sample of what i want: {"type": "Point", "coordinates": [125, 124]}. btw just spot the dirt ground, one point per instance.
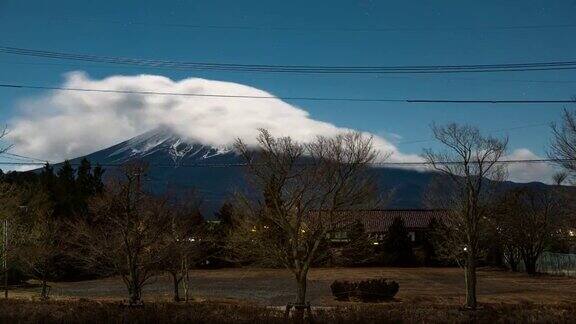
{"type": "Point", "coordinates": [275, 287]}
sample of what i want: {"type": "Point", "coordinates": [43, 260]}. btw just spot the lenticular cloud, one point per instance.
{"type": "Point", "coordinates": [67, 124]}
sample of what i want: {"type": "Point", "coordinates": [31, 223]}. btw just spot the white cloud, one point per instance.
{"type": "Point", "coordinates": [528, 172]}
{"type": "Point", "coordinates": [25, 167]}
{"type": "Point", "coordinates": [68, 124]}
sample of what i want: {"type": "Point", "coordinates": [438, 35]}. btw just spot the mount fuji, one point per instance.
{"type": "Point", "coordinates": [170, 158]}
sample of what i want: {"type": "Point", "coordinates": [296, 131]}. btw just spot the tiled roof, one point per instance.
{"type": "Point", "coordinates": [376, 221]}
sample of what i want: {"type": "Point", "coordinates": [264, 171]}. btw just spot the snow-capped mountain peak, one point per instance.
{"type": "Point", "coordinates": [163, 143]}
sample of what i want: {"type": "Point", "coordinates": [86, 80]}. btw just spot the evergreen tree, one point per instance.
{"type": "Point", "coordinates": [397, 246]}
{"type": "Point", "coordinates": [83, 186]}
{"type": "Point", "coordinates": [97, 183]}
{"type": "Point", "coordinates": [360, 249]}
{"type": "Point", "coordinates": [84, 177]}
{"type": "Point", "coordinates": [47, 177]}
{"type": "Point", "coordinates": [66, 174]}
{"type": "Point", "coordinates": [225, 214]}
{"type": "Point", "coordinates": [66, 194]}
{"type": "Point", "coordinates": [430, 256]}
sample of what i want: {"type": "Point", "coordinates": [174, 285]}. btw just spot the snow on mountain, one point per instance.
{"type": "Point", "coordinates": [176, 163]}
{"type": "Point", "coordinates": [162, 141]}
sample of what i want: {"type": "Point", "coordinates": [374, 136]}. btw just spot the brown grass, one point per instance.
{"type": "Point", "coordinates": [276, 287]}
{"type": "Point", "coordinates": [83, 311]}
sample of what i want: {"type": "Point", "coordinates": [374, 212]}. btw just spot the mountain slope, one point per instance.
{"type": "Point", "coordinates": [170, 158]}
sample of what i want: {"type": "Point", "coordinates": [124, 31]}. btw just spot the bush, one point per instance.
{"type": "Point", "coordinates": [342, 290]}
{"type": "Point", "coordinates": [373, 290]}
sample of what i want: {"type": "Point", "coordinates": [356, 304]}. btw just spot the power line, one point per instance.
{"type": "Point", "coordinates": [192, 94]}
{"type": "Point", "coordinates": [230, 165]}
{"type": "Point", "coordinates": [308, 69]}
{"type": "Point", "coordinates": [29, 158]}
{"type": "Point", "coordinates": [320, 29]}
{"type": "Point", "coordinates": [488, 101]}
{"type": "Point", "coordinates": [491, 131]}
{"type": "Point", "coordinates": [411, 101]}
{"type": "Point", "coordinates": [35, 160]}
{"type": "Point", "coordinates": [81, 66]}
{"type": "Point", "coordinates": [23, 157]}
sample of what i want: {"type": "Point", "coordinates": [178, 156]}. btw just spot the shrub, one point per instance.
{"type": "Point", "coordinates": [373, 290]}
{"type": "Point", "coordinates": [342, 290]}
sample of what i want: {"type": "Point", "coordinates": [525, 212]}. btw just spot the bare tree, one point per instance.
{"type": "Point", "coordinates": [10, 197]}
{"type": "Point", "coordinates": [302, 188]}
{"type": "Point", "coordinates": [8, 201]}
{"type": "Point", "coordinates": [469, 162]}
{"type": "Point", "coordinates": [126, 234]}
{"type": "Point", "coordinates": [502, 224]}
{"type": "Point", "coordinates": [184, 241]}
{"type": "Point", "coordinates": [563, 146]}
{"type": "Point", "coordinates": [530, 218]}
{"type": "Point", "coordinates": [38, 242]}
{"type": "Point", "coordinates": [3, 134]}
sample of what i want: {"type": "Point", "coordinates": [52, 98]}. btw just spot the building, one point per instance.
{"type": "Point", "coordinates": [377, 222]}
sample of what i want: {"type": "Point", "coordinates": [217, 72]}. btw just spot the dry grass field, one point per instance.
{"type": "Point", "coordinates": [275, 287]}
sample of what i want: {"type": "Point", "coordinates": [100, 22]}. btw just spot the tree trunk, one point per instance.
{"type": "Point", "coordinates": [176, 282]}
{"type": "Point", "coordinates": [134, 288]}
{"type": "Point", "coordinates": [186, 280]}
{"type": "Point", "coordinates": [530, 264]}
{"type": "Point", "coordinates": [301, 297]}
{"type": "Point", "coordinates": [470, 279]}
{"type": "Point", "coordinates": [44, 292]}
{"type": "Point", "coordinates": [135, 293]}
{"type": "Point", "coordinates": [299, 306]}
{"type": "Point", "coordinates": [513, 263]}
{"type": "Point", "coordinates": [512, 260]}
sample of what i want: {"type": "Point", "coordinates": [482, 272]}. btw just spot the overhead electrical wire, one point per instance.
{"type": "Point", "coordinates": [307, 69]}
{"type": "Point", "coordinates": [408, 100]}
{"type": "Point", "coordinates": [35, 160]}
{"type": "Point", "coordinates": [309, 29]}
{"type": "Point", "coordinates": [16, 159]}
{"type": "Point", "coordinates": [297, 69]}
{"type": "Point", "coordinates": [492, 131]}
{"type": "Point", "coordinates": [450, 78]}
{"type": "Point", "coordinates": [229, 165]}
{"type": "Point", "coordinates": [23, 157]}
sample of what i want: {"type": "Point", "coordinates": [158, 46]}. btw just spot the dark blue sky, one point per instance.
{"type": "Point", "coordinates": [320, 33]}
